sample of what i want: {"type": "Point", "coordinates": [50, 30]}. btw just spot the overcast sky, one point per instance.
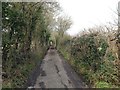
{"type": "Point", "coordinates": [88, 13]}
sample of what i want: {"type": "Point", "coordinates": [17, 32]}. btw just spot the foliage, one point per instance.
{"type": "Point", "coordinates": [26, 30]}
{"type": "Point", "coordinates": [90, 55]}
{"type": "Point", "coordinates": [102, 85]}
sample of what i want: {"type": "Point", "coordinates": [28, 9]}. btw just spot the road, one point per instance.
{"type": "Point", "coordinates": [57, 73]}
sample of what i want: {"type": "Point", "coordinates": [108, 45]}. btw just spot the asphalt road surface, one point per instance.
{"type": "Point", "coordinates": [57, 73]}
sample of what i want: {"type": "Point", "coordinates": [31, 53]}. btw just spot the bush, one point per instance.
{"type": "Point", "coordinates": [102, 84]}
{"type": "Point", "coordinates": [88, 57]}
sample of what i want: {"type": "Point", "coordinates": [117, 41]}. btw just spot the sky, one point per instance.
{"type": "Point", "coordinates": [89, 13]}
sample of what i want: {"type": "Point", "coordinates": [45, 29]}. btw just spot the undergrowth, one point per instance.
{"type": "Point", "coordinates": [90, 57]}
{"type": "Point", "coordinates": [20, 74]}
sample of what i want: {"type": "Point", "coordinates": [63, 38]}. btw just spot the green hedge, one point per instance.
{"type": "Point", "coordinates": [87, 55]}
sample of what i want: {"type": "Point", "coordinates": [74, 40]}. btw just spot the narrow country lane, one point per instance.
{"type": "Point", "coordinates": [56, 73]}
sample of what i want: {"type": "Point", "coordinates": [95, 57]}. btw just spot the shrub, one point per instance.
{"type": "Point", "coordinates": [102, 84]}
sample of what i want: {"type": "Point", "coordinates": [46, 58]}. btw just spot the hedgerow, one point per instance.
{"type": "Point", "coordinates": [91, 56]}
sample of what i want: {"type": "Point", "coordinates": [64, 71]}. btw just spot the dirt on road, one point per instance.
{"type": "Point", "coordinates": [57, 73]}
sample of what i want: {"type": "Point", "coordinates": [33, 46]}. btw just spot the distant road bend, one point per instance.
{"type": "Point", "coordinates": [56, 73]}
